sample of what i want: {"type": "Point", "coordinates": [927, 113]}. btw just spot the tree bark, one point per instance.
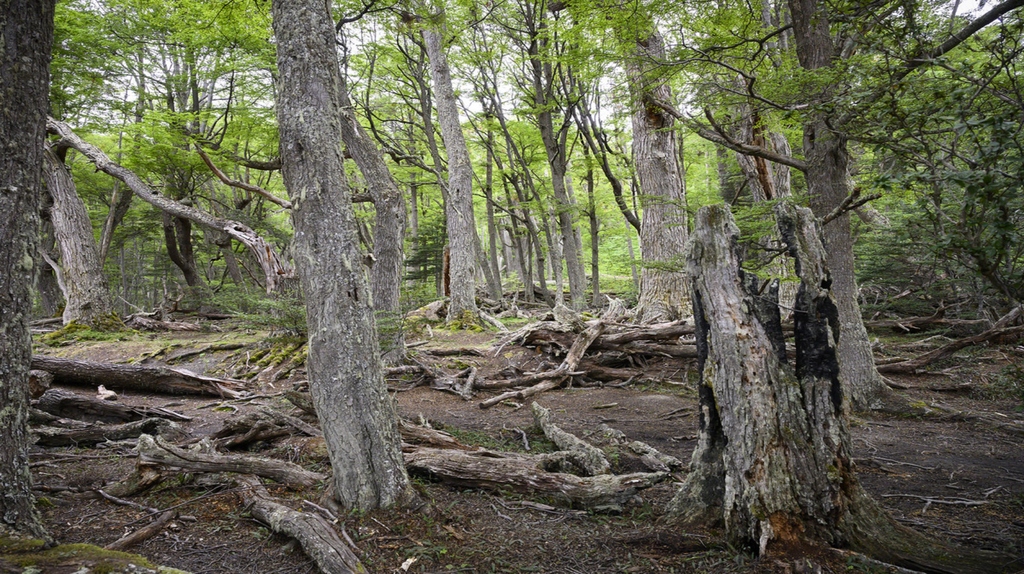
{"type": "Point", "coordinates": [664, 294]}
{"type": "Point", "coordinates": [346, 380]}
{"type": "Point", "coordinates": [88, 297]}
{"type": "Point", "coordinates": [828, 181]}
{"type": "Point", "coordinates": [26, 35]}
{"type": "Point", "coordinates": [147, 378]}
{"type": "Point", "coordinates": [773, 464]}
{"type": "Point", "coordinates": [459, 205]}
{"type": "Point", "coordinates": [389, 232]}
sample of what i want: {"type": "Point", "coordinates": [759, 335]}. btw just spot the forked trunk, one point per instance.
{"type": "Point", "coordinates": [773, 463]}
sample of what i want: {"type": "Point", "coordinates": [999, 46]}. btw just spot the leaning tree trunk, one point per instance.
{"type": "Point", "coordinates": [346, 380]}
{"type": "Point", "coordinates": [773, 463]}
{"type": "Point", "coordinates": [85, 287]}
{"type": "Point", "coordinates": [663, 290]}
{"type": "Point", "coordinates": [26, 35]}
{"type": "Point", "coordinates": [389, 231]}
{"type": "Point", "coordinates": [459, 207]}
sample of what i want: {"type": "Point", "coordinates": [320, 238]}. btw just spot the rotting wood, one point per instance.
{"type": "Point", "coordinates": [38, 382]}
{"type": "Point", "coordinates": [140, 322]}
{"type": "Point", "coordinates": [590, 459]}
{"type": "Point", "coordinates": [49, 436]}
{"type": "Point", "coordinates": [317, 536]}
{"type": "Point", "coordinates": [66, 404]}
{"type": "Point", "coordinates": [572, 359]}
{"type": "Point", "coordinates": [524, 473]}
{"type": "Point", "coordinates": [157, 451]}
{"type": "Point", "coordinates": [415, 435]}
{"type": "Point", "coordinates": [147, 378]}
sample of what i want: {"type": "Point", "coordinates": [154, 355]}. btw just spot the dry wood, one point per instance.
{"type": "Point", "coordinates": [66, 404]}
{"type": "Point", "coordinates": [523, 473]}
{"type": "Point", "coordinates": [144, 533]}
{"type": "Point", "coordinates": [302, 400]}
{"type": "Point", "coordinates": [317, 536]}
{"type": "Point", "coordinates": [586, 456]}
{"type": "Point", "coordinates": [145, 476]}
{"type": "Point", "coordinates": [423, 436]}
{"type": "Point", "coordinates": [655, 459]}
{"type": "Point", "coordinates": [147, 378]}
{"type": "Point", "coordinates": [158, 451]}
{"type": "Point", "coordinates": [38, 382]}
{"type": "Point", "coordinates": [453, 352]}
{"type": "Point", "coordinates": [142, 323]}
{"type": "Point", "coordinates": [558, 376]}
{"type": "Point", "coordinates": [915, 365]}
{"type": "Point", "coordinates": [49, 436]}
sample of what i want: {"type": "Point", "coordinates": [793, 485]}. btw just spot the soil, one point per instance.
{"type": "Point", "coordinates": [957, 474]}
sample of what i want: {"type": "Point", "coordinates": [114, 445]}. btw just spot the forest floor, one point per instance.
{"type": "Point", "coordinates": [956, 474]}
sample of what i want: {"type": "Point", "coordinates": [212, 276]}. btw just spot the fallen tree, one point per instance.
{"type": "Point", "coordinates": [65, 404]}
{"type": "Point", "coordinates": [274, 268]}
{"type": "Point", "coordinates": [146, 378]}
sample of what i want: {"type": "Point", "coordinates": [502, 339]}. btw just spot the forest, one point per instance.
{"type": "Point", "coordinates": [512, 286]}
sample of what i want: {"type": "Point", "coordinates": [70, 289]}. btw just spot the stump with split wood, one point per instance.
{"type": "Point", "coordinates": [773, 464]}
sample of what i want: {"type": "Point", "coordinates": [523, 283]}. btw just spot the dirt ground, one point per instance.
{"type": "Point", "coordinates": [956, 475]}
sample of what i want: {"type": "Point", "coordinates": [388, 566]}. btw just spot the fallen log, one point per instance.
{"type": "Point", "coordinates": [144, 533]}
{"type": "Point", "coordinates": [523, 473]}
{"type": "Point", "coordinates": [142, 323]}
{"type": "Point", "coordinates": [559, 375]}
{"type": "Point", "coordinates": [423, 436]}
{"type": "Point", "coordinates": [146, 378]}
{"type": "Point", "coordinates": [915, 365]}
{"type": "Point", "coordinates": [317, 536]}
{"type": "Point", "coordinates": [157, 451]}
{"type": "Point", "coordinates": [590, 459]}
{"type": "Point", "coordinates": [66, 404]}
{"type": "Point", "coordinates": [51, 436]}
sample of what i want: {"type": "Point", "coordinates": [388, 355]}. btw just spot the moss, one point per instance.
{"type": "Point", "coordinates": [105, 328]}
{"type": "Point", "coordinates": [32, 554]}
{"type": "Point", "coordinates": [466, 321]}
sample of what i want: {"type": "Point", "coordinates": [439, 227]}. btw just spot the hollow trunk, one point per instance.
{"type": "Point", "coordinates": [26, 35]}
{"type": "Point", "coordinates": [664, 294]}
{"type": "Point", "coordinates": [773, 464]}
{"type": "Point", "coordinates": [459, 206]}
{"type": "Point", "coordinates": [88, 297]}
{"type": "Point", "coordinates": [345, 376]}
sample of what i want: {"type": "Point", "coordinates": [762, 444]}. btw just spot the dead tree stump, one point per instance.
{"type": "Point", "coordinates": [773, 464]}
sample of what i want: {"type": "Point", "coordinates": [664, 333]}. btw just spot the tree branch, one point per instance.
{"type": "Point", "coordinates": [240, 184]}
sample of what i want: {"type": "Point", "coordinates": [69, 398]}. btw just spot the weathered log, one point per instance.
{"type": "Point", "coordinates": [453, 352]}
{"type": "Point", "coordinates": [318, 538]}
{"type": "Point", "coordinates": [590, 459]}
{"type": "Point", "coordinates": [423, 436]}
{"type": "Point", "coordinates": [915, 365]}
{"type": "Point", "coordinates": [66, 404]}
{"type": "Point", "coordinates": [522, 473]}
{"type": "Point", "coordinates": [38, 382]}
{"type": "Point", "coordinates": [142, 323]}
{"type": "Point", "coordinates": [302, 400]}
{"type": "Point", "coordinates": [50, 436]}
{"type": "Point", "coordinates": [158, 451]}
{"type": "Point", "coordinates": [144, 533]}
{"type": "Point", "coordinates": [655, 459]}
{"type": "Point", "coordinates": [147, 378]}
{"type": "Point", "coordinates": [262, 425]}
{"type": "Point", "coordinates": [569, 364]}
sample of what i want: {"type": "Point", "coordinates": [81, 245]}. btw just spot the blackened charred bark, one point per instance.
{"type": "Point", "coordinates": [345, 374]}
{"type": "Point", "coordinates": [26, 35]}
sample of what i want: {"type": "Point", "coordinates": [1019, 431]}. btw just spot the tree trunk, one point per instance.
{"type": "Point", "coordinates": [773, 464]}
{"type": "Point", "coordinates": [88, 297]}
{"type": "Point", "coordinates": [459, 206]}
{"type": "Point", "coordinates": [664, 294]}
{"type": "Point", "coordinates": [828, 184]}
{"type": "Point", "coordinates": [26, 35]}
{"type": "Point", "coordinates": [358, 418]}
{"type": "Point", "coordinates": [388, 244]}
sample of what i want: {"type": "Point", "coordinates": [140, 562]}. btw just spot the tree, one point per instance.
{"type": "Point", "coordinates": [346, 379]}
{"type": "Point", "coordinates": [774, 462]}
{"type": "Point", "coordinates": [26, 37]}
{"type": "Point", "coordinates": [459, 213]}
{"type": "Point", "coordinates": [87, 299]}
